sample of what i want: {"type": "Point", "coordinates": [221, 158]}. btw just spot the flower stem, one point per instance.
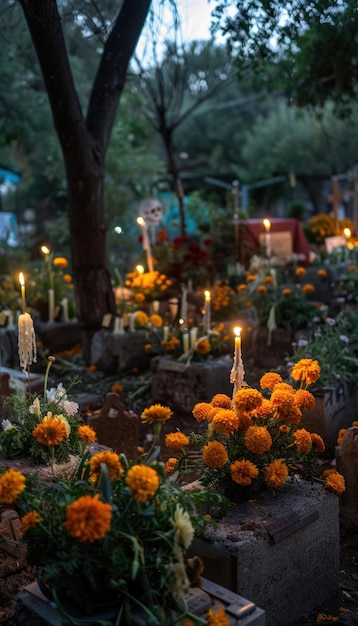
{"type": "Point", "coordinates": [51, 359]}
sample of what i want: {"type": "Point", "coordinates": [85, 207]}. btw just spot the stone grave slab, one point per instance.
{"type": "Point", "coordinates": [12, 552]}
{"type": "Point", "coordinates": [116, 427]}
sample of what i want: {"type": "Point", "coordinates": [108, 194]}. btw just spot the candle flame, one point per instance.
{"type": "Point", "coordinates": [237, 331]}
{"type": "Point", "coordinates": [140, 221]}
{"type": "Point", "coordinates": [207, 295]}
{"type": "Point", "coordinates": [347, 232]}
{"type": "Point", "coordinates": [267, 223]}
{"type": "Point", "coordinates": [140, 269]}
{"type": "Point", "coordinates": [45, 250]}
{"type": "Point", "coordinates": [21, 279]}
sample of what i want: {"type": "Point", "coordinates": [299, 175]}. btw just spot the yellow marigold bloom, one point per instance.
{"type": "Point", "coordinates": [275, 474]}
{"type": "Point", "coordinates": [117, 388]}
{"type": "Point", "coordinates": [308, 288]}
{"type": "Point", "coordinates": [86, 434]}
{"type": "Point", "coordinates": [143, 482]}
{"type": "Point", "coordinates": [67, 278]}
{"type": "Point", "coordinates": [170, 465]}
{"type": "Point", "coordinates": [250, 278]}
{"type": "Point", "coordinates": [247, 399]}
{"type": "Point", "coordinates": [322, 273]}
{"type": "Point", "coordinates": [225, 421]}
{"type": "Point", "coordinates": [303, 440]}
{"type": "Point", "coordinates": [60, 262]}
{"type": "Point", "coordinates": [30, 520]}
{"type": "Point", "coordinates": [203, 346]}
{"type": "Point", "coordinates": [219, 618]}
{"type": "Point", "coordinates": [355, 423]}
{"type": "Point", "coordinates": [215, 454]}
{"type": "Point", "coordinates": [50, 432]}
{"type": "Point", "coordinates": [286, 292]}
{"type": "Point", "coordinates": [88, 519]}
{"type": "Point", "coordinates": [317, 442]}
{"type": "Point", "coordinates": [203, 411]}
{"type": "Point", "coordinates": [335, 483]}
{"type": "Point", "coordinates": [269, 380]}
{"type": "Point", "coordinates": [307, 371]}
{"type": "Point", "coordinates": [184, 531]}
{"type": "Point", "coordinates": [141, 318]}
{"type": "Point", "coordinates": [221, 400]}
{"type": "Point", "coordinates": [261, 289]}
{"type": "Point", "coordinates": [12, 484]}
{"type": "Point", "coordinates": [111, 459]}
{"type": "Point", "coordinates": [176, 441]}
{"type": "Point", "coordinates": [243, 472]}
{"type": "Point", "coordinates": [258, 439]}
{"type": "Point", "coordinates": [305, 400]}
{"type": "Point", "coordinates": [156, 320]}
{"type": "Point", "coordinates": [264, 411]}
{"type": "Point", "coordinates": [268, 280]}
{"type": "Point", "coordinates": [241, 287]}
{"type": "Point", "coordinates": [300, 271]}
{"type": "Point", "coordinates": [156, 413]}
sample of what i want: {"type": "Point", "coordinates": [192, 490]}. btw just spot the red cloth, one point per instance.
{"type": "Point", "coordinates": [250, 231]}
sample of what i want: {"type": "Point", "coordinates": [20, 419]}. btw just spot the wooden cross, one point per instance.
{"type": "Point", "coordinates": [334, 199]}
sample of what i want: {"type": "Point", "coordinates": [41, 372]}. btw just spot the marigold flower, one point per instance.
{"type": "Point", "coordinates": [225, 421]}
{"type": "Point", "coordinates": [258, 439]}
{"type": "Point", "coordinates": [12, 484]}
{"type": "Point", "coordinates": [250, 278]}
{"type": "Point", "coordinates": [215, 454]}
{"type": "Point", "coordinates": [203, 346]}
{"type": "Point", "coordinates": [261, 289]}
{"type": "Point", "coordinates": [247, 399]}
{"type": "Point", "coordinates": [156, 413]}
{"type": "Point", "coordinates": [335, 483]}
{"type": "Point", "coordinates": [176, 441]}
{"type": "Point", "coordinates": [117, 388]}
{"type": "Point", "coordinates": [241, 287]}
{"type": "Point", "coordinates": [92, 368]}
{"type": "Point", "coordinates": [340, 436]}
{"type": "Point", "coordinates": [203, 411]}
{"type": "Point", "coordinates": [148, 347]}
{"type": "Point", "coordinates": [184, 531]}
{"type": "Point", "coordinates": [284, 387]}
{"type": "Point", "coordinates": [139, 299]}
{"type": "Point", "coordinates": [264, 411]}
{"type": "Point", "coordinates": [308, 288]}
{"type": "Point", "coordinates": [60, 262]}
{"type": "Point", "coordinates": [322, 273]}
{"type": "Point", "coordinates": [111, 459]}
{"type": "Point", "coordinates": [219, 618]}
{"type": "Point", "coordinates": [303, 440]}
{"type": "Point", "coordinates": [86, 434]}
{"type": "Point", "coordinates": [317, 442]}
{"type": "Point", "coordinates": [221, 400]}
{"type": "Point", "coordinates": [67, 278]}
{"type": "Point", "coordinates": [269, 380]}
{"type": "Point", "coordinates": [300, 271]}
{"type": "Point", "coordinates": [305, 400]}
{"type": "Point", "coordinates": [30, 520]}
{"type": "Point", "coordinates": [170, 465]}
{"type": "Point", "coordinates": [307, 371]}
{"type": "Point", "coordinates": [143, 482]}
{"type": "Point", "coordinates": [50, 432]}
{"type": "Point", "coordinates": [352, 268]}
{"type": "Point", "coordinates": [275, 474]}
{"type": "Point", "coordinates": [141, 318]}
{"type": "Point", "coordinates": [286, 292]}
{"type": "Point", "coordinates": [243, 472]}
{"type": "Point", "coordinates": [268, 279]}
{"type": "Point", "coordinates": [88, 519]}
{"type": "Point", "coordinates": [156, 320]}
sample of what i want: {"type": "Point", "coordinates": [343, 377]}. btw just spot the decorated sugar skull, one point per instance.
{"type": "Point", "coordinates": [151, 212]}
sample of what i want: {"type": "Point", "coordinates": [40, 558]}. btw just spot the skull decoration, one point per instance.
{"type": "Point", "coordinates": [151, 212]}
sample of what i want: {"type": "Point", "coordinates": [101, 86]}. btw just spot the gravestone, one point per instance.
{"type": "Point", "coordinates": [12, 553]}
{"type": "Point", "coordinates": [116, 427]}
{"type": "Point", "coordinates": [347, 464]}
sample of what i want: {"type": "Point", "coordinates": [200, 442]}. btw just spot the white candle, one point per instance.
{"type": "Point", "coordinates": [26, 341]}
{"type": "Point", "coordinates": [237, 372]}
{"type": "Point", "coordinates": [165, 332]}
{"type": "Point", "coordinates": [22, 285]}
{"type": "Point", "coordinates": [184, 306]}
{"type": "Point", "coordinates": [131, 322]}
{"type": "Point", "coordinates": [267, 225]}
{"type": "Point", "coordinates": [193, 334]}
{"type": "Point", "coordinates": [146, 243]}
{"type": "Point", "coordinates": [185, 342]}
{"type": "Point", "coordinates": [207, 321]}
{"type": "Point", "coordinates": [51, 305]}
{"type": "Point", "coordinates": [64, 303]}
{"type": "Point", "coordinates": [118, 326]}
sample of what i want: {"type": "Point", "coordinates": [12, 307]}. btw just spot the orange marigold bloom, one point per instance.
{"type": "Point", "coordinates": [246, 419]}
{"type": "Point", "coordinates": [12, 484]}
{"type": "Point", "coordinates": [300, 271]}
{"type": "Point", "coordinates": [264, 411]}
{"type": "Point", "coordinates": [307, 371]}
{"type": "Point", "coordinates": [219, 618]}
{"type": "Point", "coordinates": [170, 465]}
{"type": "Point", "coordinates": [88, 519]}
{"type": "Point", "coordinates": [308, 288]}
{"type": "Point", "coordinates": [289, 413]}
{"type": "Point", "coordinates": [215, 454]}
{"type": "Point", "coordinates": [250, 278]}
{"type": "Point", "coordinates": [203, 411]}
{"type": "Point", "coordinates": [67, 278]}
{"type": "Point", "coordinates": [335, 483]}
{"type": "Point", "coordinates": [268, 279]}
{"type": "Point", "coordinates": [281, 397]}
{"type": "Point", "coordinates": [156, 320]}
{"type": "Point", "coordinates": [269, 380]}
{"type": "Point", "coordinates": [30, 520]}
{"type": "Point", "coordinates": [241, 287]}
{"type": "Point", "coordinates": [203, 346]}
{"type": "Point", "coordinates": [50, 432]}
{"type": "Point", "coordinates": [352, 268]}
{"type": "Point", "coordinates": [303, 440]}
{"type": "Point", "coordinates": [243, 472]}
{"type": "Point", "coordinates": [317, 442]}
{"type": "Point", "coordinates": [247, 399]}
{"type": "Point", "coordinates": [283, 429]}
{"type": "Point", "coordinates": [305, 400]}
{"type": "Point", "coordinates": [221, 400]}
{"type": "Point", "coordinates": [141, 318]}
{"type": "Point", "coordinates": [139, 298]}
{"type": "Point", "coordinates": [225, 421]}
{"type": "Point", "coordinates": [261, 289]}
{"type": "Point", "coordinates": [111, 459]}
{"type": "Point", "coordinates": [92, 368]}
{"type": "Point", "coordinates": [286, 292]}
{"type": "Point", "coordinates": [258, 439]}
{"type": "Point", "coordinates": [322, 273]}
{"type": "Point", "coordinates": [176, 441]}
{"type": "Point", "coordinates": [147, 347]}
{"type": "Point", "coordinates": [284, 387]}
{"type": "Point", "coordinates": [86, 434]}
{"type": "Point", "coordinates": [60, 262]}
{"type": "Point", "coordinates": [275, 474]}
{"type": "Point", "coordinates": [156, 413]}
{"type": "Point", "coordinates": [117, 388]}
{"type": "Point", "coordinates": [143, 482]}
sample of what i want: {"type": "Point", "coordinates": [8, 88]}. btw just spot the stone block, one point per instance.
{"type": "Point", "coordinates": [181, 385]}
{"type": "Point", "coordinates": [119, 352]}
{"type": "Point", "coordinates": [281, 551]}
{"type": "Point", "coordinates": [116, 427]}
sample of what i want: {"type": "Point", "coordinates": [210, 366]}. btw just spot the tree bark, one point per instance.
{"type": "Point", "coordinates": [84, 143]}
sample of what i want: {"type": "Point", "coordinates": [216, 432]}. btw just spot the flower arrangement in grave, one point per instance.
{"type": "Point", "coordinates": [254, 441]}
{"type": "Point", "coordinates": [148, 286]}
{"type": "Point", "coordinates": [346, 283]}
{"type": "Point", "coordinates": [43, 428]}
{"type": "Point", "coordinates": [53, 274]}
{"type": "Point", "coordinates": [227, 302]}
{"type": "Point", "coordinates": [322, 225]}
{"type": "Point", "coordinates": [333, 343]}
{"type": "Point", "coordinates": [189, 348]}
{"type": "Point", "coordinates": [343, 431]}
{"type": "Point", "coordinates": [116, 531]}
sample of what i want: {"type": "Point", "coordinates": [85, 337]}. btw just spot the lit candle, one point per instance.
{"type": "Point", "coordinates": [185, 342]}
{"type": "Point", "coordinates": [267, 225]}
{"type": "Point", "coordinates": [26, 342]}
{"type": "Point", "coordinates": [46, 252]}
{"type": "Point", "coordinates": [146, 243]}
{"type": "Point", "coordinates": [184, 306]}
{"type": "Point", "coordinates": [207, 322]}
{"type": "Point", "coordinates": [237, 372]}
{"type": "Point", "coordinates": [22, 285]}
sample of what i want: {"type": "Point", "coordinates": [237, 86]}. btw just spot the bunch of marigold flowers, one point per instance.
{"type": "Point", "coordinates": [255, 440]}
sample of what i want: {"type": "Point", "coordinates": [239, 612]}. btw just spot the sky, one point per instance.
{"type": "Point", "coordinates": [196, 19]}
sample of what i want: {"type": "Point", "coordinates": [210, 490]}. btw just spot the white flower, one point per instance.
{"type": "Point", "coordinates": [184, 531]}
{"type": "Point", "coordinates": [59, 396]}
{"type": "Point", "coordinates": [35, 408]}
{"type": "Point", "coordinates": [6, 425]}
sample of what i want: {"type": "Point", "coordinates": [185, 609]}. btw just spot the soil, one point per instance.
{"type": "Point", "coordinates": [341, 609]}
